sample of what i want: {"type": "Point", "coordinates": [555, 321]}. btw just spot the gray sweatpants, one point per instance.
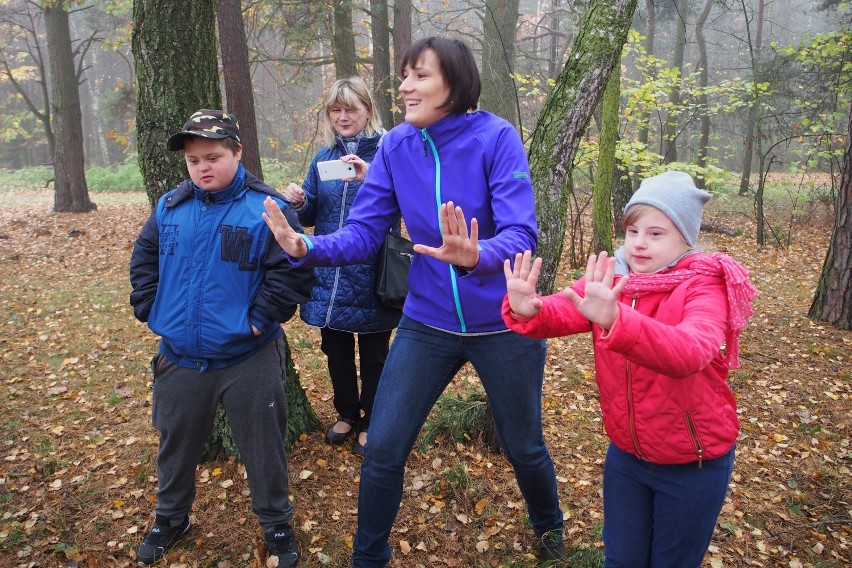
{"type": "Point", "coordinates": [184, 406]}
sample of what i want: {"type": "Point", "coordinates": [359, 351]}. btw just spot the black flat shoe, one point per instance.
{"type": "Point", "coordinates": [337, 438]}
{"type": "Point", "coordinates": [357, 447]}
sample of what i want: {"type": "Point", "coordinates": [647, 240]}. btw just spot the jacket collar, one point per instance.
{"type": "Point", "coordinates": [366, 144]}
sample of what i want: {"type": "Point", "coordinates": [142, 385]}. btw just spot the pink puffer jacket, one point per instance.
{"type": "Point", "coordinates": [660, 370]}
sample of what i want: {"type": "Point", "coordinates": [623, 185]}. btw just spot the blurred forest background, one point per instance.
{"type": "Point", "coordinates": [731, 87]}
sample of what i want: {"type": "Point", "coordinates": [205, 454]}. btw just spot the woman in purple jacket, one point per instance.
{"type": "Point", "coordinates": [446, 161]}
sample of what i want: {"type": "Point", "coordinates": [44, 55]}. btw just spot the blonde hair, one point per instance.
{"type": "Point", "coordinates": [351, 93]}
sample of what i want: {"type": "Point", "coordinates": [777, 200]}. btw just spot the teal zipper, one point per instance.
{"type": "Point", "coordinates": [428, 140]}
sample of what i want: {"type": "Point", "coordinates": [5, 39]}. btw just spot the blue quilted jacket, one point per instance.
{"type": "Point", "coordinates": [343, 297]}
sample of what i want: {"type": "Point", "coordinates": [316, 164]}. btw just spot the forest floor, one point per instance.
{"type": "Point", "coordinates": [77, 463]}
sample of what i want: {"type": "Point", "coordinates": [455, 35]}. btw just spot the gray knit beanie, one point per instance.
{"type": "Point", "coordinates": [675, 194]}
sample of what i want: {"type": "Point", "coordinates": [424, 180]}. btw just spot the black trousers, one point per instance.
{"type": "Point", "coordinates": [339, 348]}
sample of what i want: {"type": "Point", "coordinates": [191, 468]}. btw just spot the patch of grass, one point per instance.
{"type": "Point", "coordinates": [123, 178]}
{"type": "Point", "coordinates": [44, 447]}
{"type": "Point", "coordinates": [114, 399]}
{"type": "Point", "coordinates": [462, 417]}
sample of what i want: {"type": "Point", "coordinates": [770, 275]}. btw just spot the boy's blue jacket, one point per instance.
{"type": "Point", "coordinates": [477, 161]}
{"type": "Point", "coordinates": [205, 267]}
{"type": "Point", "coordinates": [342, 297]}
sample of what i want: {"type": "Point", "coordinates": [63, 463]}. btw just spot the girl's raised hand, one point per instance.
{"type": "Point", "coordinates": [290, 240]}
{"type": "Point", "coordinates": [520, 285]}
{"type": "Point", "coordinates": [600, 305]}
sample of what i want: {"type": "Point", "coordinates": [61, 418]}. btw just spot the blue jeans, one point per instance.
{"type": "Point", "coordinates": [421, 363]}
{"type": "Point", "coordinates": [661, 515]}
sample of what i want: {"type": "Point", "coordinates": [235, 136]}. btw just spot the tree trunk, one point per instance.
{"type": "Point", "coordinates": [833, 299]}
{"type": "Point", "coordinates": [71, 193]}
{"type": "Point", "coordinates": [602, 192]}
{"type": "Point", "coordinates": [650, 32]}
{"type": "Point", "coordinates": [238, 85]}
{"type": "Point", "coordinates": [174, 48]}
{"type": "Point", "coordinates": [670, 133]}
{"type": "Point", "coordinates": [499, 95]}
{"type": "Point", "coordinates": [383, 78]}
{"type": "Point", "coordinates": [754, 109]}
{"type": "Point", "coordinates": [554, 57]}
{"type": "Point", "coordinates": [401, 39]}
{"type": "Point", "coordinates": [301, 418]}
{"type": "Point", "coordinates": [566, 113]}
{"type": "Point", "coordinates": [343, 46]}
{"type": "Point", "coordinates": [704, 128]}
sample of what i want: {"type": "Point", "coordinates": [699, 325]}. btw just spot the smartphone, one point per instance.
{"type": "Point", "coordinates": [335, 169]}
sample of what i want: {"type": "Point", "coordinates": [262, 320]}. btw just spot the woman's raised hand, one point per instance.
{"type": "Point", "coordinates": [600, 304]}
{"type": "Point", "coordinates": [290, 240]}
{"type": "Point", "coordinates": [361, 167]}
{"type": "Point", "coordinates": [520, 285]}
{"type": "Point", "coordinates": [459, 247]}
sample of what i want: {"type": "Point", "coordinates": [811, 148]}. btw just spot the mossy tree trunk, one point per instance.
{"type": "Point", "coordinates": [174, 51]}
{"type": "Point", "coordinates": [566, 113]}
{"type": "Point", "coordinates": [602, 192]}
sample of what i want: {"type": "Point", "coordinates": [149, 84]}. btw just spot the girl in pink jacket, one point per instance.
{"type": "Point", "coordinates": [665, 322]}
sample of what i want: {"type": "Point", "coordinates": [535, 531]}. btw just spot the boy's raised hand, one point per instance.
{"type": "Point", "coordinates": [520, 285]}
{"type": "Point", "coordinates": [290, 240]}
{"type": "Point", "coordinates": [600, 305]}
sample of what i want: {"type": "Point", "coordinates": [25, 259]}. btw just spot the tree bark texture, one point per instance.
{"type": "Point", "coordinates": [239, 94]}
{"type": "Point", "coordinates": [343, 46]}
{"type": "Point", "coordinates": [499, 24]}
{"type": "Point", "coordinates": [704, 127]}
{"type": "Point", "coordinates": [833, 299]}
{"type": "Point", "coordinates": [602, 191]}
{"type": "Point", "coordinates": [301, 417]}
{"type": "Point", "coordinates": [401, 33]}
{"type": "Point", "coordinates": [650, 33]}
{"type": "Point", "coordinates": [670, 133]}
{"type": "Point", "coordinates": [754, 110]}
{"type": "Point", "coordinates": [383, 77]}
{"type": "Point", "coordinates": [71, 194]}
{"type": "Point", "coordinates": [566, 113]}
{"type": "Point", "coordinates": [174, 50]}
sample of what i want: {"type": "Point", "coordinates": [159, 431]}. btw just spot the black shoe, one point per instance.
{"type": "Point", "coordinates": [336, 437]}
{"type": "Point", "coordinates": [281, 543]}
{"type": "Point", "coordinates": [552, 555]}
{"type": "Point", "coordinates": [161, 538]}
{"type": "Point", "coordinates": [357, 446]}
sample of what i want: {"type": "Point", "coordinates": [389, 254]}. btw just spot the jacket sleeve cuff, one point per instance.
{"type": "Point", "coordinates": [260, 318]}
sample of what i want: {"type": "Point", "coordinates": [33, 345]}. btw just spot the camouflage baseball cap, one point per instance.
{"type": "Point", "coordinates": [207, 123]}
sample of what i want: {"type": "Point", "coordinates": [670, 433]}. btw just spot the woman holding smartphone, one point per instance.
{"type": "Point", "coordinates": [342, 302]}
{"type": "Point", "coordinates": [445, 164]}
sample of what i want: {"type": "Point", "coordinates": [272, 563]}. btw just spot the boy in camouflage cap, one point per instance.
{"type": "Point", "coordinates": [207, 281]}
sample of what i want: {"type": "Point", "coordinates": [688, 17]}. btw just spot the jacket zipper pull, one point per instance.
{"type": "Point", "coordinates": [423, 135]}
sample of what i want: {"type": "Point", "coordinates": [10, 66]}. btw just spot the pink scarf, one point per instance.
{"type": "Point", "coordinates": [739, 289]}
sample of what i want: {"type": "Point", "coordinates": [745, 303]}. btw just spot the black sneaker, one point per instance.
{"type": "Point", "coordinates": [161, 538]}
{"type": "Point", "coordinates": [281, 543]}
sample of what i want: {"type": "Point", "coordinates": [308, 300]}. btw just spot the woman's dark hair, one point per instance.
{"type": "Point", "coordinates": [457, 66]}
